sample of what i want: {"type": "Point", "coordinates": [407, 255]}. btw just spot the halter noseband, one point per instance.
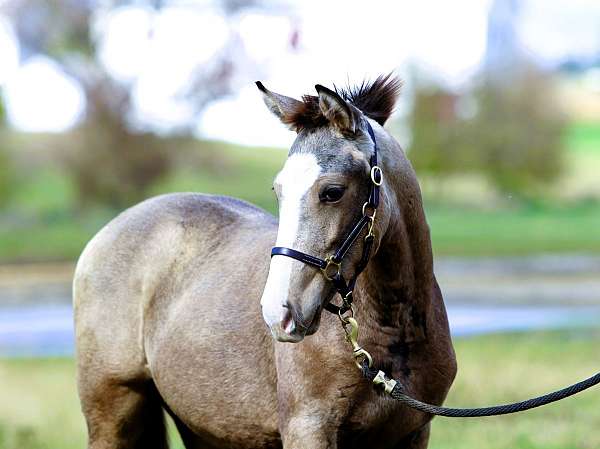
{"type": "Point", "coordinates": [331, 266]}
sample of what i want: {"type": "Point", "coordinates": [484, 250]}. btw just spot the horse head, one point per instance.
{"type": "Point", "coordinates": [322, 191]}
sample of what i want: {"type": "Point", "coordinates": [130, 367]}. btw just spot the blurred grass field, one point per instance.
{"type": "Point", "coordinates": [40, 223]}
{"type": "Point", "coordinates": [44, 411]}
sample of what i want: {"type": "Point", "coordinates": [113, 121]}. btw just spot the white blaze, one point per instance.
{"type": "Point", "coordinates": [295, 179]}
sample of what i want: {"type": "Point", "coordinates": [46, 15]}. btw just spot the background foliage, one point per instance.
{"type": "Point", "coordinates": [509, 131]}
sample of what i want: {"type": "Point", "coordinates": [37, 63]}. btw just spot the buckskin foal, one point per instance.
{"type": "Point", "coordinates": [168, 302]}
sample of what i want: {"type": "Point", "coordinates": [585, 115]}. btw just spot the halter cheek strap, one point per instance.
{"type": "Point", "coordinates": [331, 266]}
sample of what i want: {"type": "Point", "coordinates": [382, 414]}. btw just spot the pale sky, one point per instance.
{"type": "Point", "coordinates": [339, 41]}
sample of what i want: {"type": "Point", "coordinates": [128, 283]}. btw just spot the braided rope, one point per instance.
{"type": "Point", "coordinates": [398, 394]}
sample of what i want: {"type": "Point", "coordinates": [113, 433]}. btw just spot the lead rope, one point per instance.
{"type": "Point", "coordinates": [395, 390]}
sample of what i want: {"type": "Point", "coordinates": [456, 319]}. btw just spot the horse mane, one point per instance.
{"type": "Point", "coordinates": [376, 99]}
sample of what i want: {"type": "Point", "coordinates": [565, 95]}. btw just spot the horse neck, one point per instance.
{"type": "Point", "coordinates": [395, 290]}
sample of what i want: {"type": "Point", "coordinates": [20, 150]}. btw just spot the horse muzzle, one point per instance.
{"type": "Point", "coordinates": [284, 329]}
{"type": "Point", "coordinates": [291, 326]}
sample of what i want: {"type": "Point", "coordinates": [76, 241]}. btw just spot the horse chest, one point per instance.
{"type": "Point", "coordinates": [376, 421]}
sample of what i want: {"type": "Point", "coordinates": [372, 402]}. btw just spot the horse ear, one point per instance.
{"type": "Point", "coordinates": [280, 105]}
{"type": "Point", "coordinates": [337, 110]}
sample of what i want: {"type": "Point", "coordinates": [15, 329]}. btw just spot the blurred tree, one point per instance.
{"type": "Point", "coordinates": [113, 160]}
{"type": "Point", "coordinates": [2, 110]}
{"type": "Point", "coordinates": [519, 132]}
{"type": "Point", "coordinates": [6, 172]}
{"type": "Point", "coordinates": [437, 131]}
{"type": "Point", "coordinates": [109, 163]}
{"type": "Point", "coordinates": [513, 135]}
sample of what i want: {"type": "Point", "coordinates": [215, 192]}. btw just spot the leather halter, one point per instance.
{"type": "Point", "coordinates": [331, 266]}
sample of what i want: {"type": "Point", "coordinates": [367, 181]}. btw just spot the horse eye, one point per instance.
{"type": "Point", "coordinates": [332, 194]}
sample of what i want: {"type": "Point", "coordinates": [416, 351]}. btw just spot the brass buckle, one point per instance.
{"type": "Point", "coordinates": [369, 211]}
{"type": "Point", "coordinates": [376, 169]}
{"type": "Point", "coordinates": [329, 275]}
{"type": "Point", "coordinates": [370, 232]}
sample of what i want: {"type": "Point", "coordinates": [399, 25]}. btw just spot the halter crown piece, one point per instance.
{"type": "Point", "coordinates": [331, 266]}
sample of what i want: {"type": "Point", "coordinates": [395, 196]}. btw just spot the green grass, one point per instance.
{"type": "Point", "coordinates": [498, 369]}
{"type": "Point", "coordinates": [473, 232]}
{"type": "Point", "coordinates": [39, 407]}
{"type": "Point", "coordinates": [584, 137]}
{"type": "Point", "coordinates": [62, 239]}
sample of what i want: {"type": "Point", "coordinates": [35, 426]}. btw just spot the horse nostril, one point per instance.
{"type": "Point", "coordinates": [287, 322]}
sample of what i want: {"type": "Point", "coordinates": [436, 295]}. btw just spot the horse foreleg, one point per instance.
{"type": "Point", "coordinates": [416, 440]}
{"type": "Point", "coordinates": [308, 430]}
{"type": "Point", "coordinates": [123, 416]}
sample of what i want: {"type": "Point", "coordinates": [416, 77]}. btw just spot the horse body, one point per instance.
{"type": "Point", "coordinates": [168, 317]}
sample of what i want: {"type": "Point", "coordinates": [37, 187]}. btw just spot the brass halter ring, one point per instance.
{"type": "Point", "coordinates": [374, 170]}
{"type": "Point", "coordinates": [329, 275]}
{"type": "Point", "coordinates": [371, 230]}
{"type": "Point", "coordinates": [370, 212]}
